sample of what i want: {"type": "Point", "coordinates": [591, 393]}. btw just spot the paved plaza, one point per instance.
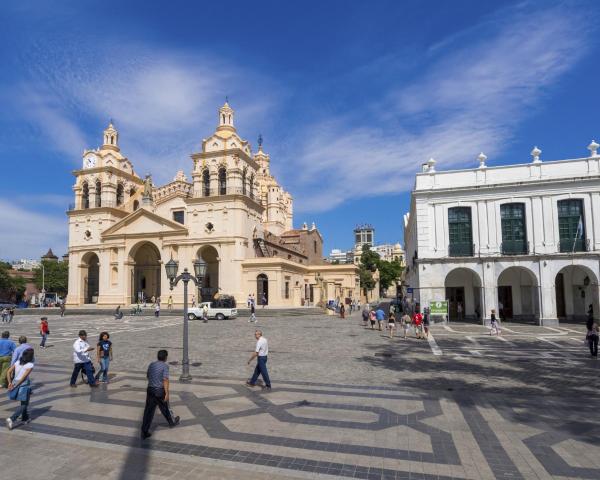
{"type": "Point", "coordinates": [346, 403]}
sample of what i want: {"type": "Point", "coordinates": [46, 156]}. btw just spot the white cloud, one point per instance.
{"type": "Point", "coordinates": [162, 103]}
{"type": "Point", "coordinates": [470, 99]}
{"type": "Point", "coordinates": [27, 233]}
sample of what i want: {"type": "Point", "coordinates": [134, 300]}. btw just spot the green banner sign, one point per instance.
{"type": "Point", "coordinates": [438, 307]}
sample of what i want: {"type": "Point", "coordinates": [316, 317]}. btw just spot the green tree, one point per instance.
{"type": "Point", "coordinates": [10, 287]}
{"type": "Point", "coordinates": [55, 279]}
{"type": "Point", "coordinates": [389, 272]}
{"type": "Point", "coordinates": [368, 265]}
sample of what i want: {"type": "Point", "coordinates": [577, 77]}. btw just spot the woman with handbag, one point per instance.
{"type": "Point", "coordinates": [19, 387]}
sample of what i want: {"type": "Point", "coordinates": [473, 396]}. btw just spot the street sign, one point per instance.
{"type": "Point", "coordinates": [438, 307]}
{"type": "Point", "coordinates": [410, 290]}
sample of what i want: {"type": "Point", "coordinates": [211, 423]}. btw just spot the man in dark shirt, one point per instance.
{"type": "Point", "coordinates": [157, 394]}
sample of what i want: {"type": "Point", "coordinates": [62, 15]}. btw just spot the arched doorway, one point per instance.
{"type": "Point", "coordinates": [518, 295]}
{"type": "Point", "coordinates": [146, 272]}
{"type": "Point", "coordinates": [576, 288]}
{"type": "Point", "coordinates": [91, 277]}
{"type": "Point", "coordinates": [262, 289]}
{"type": "Point", "coordinates": [210, 284]}
{"type": "Point", "coordinates": [463, 292]}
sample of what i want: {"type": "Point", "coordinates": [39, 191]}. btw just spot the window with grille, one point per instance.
{"type": "Point", "coordinates": [460, 231]}
{"type": "Point", "coordinates": [570, 213]}
{"type": "Point", "coordinates": [514, 236]}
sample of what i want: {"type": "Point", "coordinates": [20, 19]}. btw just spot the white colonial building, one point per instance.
{"type": "Point", "coordinates": [232, 215]}
{"type": "Point", "coordinates": [522, 239]}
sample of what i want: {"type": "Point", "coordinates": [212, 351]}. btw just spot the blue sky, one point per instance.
{"type": "Point", "coordinates": [350, 97]}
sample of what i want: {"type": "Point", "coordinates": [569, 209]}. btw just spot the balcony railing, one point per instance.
{"type": "Point", "coordinates": [215, 192]}
{"type": "Point", "coordinates": [90, 205]}
{"type": "Point", "coordinates": [567, 245]}
{"type": "Point", "coordinates": [461, 249]}
{"type": "Point", "coordinates": [514, 247]}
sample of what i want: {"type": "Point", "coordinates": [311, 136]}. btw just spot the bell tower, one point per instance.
{"type": "Point", "coordinates": [111, 138]}
{"type": "Point", "coordinates": [226, 118]}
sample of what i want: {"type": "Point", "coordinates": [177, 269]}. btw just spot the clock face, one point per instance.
{"type": "Point", "coordinates": [90, 161]}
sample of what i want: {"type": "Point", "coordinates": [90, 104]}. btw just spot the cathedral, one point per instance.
{"type": "Point", "coordinates": [232, 215]}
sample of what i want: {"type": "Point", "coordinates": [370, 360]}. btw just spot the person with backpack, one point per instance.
{"type": "Point", "coordinates": [19, 387]}
{"type": "Point", "coordinates": [82, 361]}
{"type": "Point", "coordinates": [44, 331]}
{"type": "Point", "coordinates": [365, 316]}
{"type": "Point", "coordinates": [405, 321]}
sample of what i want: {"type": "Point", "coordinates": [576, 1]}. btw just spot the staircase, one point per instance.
{"type": "Point", "coordinates": [262, 247]}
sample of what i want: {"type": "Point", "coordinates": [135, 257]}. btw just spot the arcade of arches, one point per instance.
{"type": "Point", "coordinates": [568, 292]}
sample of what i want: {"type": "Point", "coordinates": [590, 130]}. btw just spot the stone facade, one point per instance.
{"type": "Point", "coordinates": [233, 215]}
{"type": "Point", "coordinates": [523, 239]}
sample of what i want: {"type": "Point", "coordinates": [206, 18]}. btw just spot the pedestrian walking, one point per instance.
{"type": "Point", "coordinates": [379, 316]}
{"type": "Point", "coordinates": [590, 318]}
{"type": "Point", "coordinates": [494, 323]}
{"type": "Point", "coordinates": [392, 324]}
{"type": "Point", "coordinates": [249, 300]}
{"type": "Point", "coordinates": [4, 315]}
{"type": "Point", "coordinates": [82, 361]}
{"type": "Point", "coordinates": [342, 311]}
{"type": "Point", "coordinates": [19, 387]}
{"type": "Point", "coordinates": [104, 354]}
{"type": "Point", "coordinates": [7, 348]}
{"type": "Point", "coordinates": [157, 310]}
{"type": "Point", "coordinates": [252, 313]}
{"type": "Point", "coordinates": [417, 321]}
{"type": "Point", "coordinates": [170, 303]}
{"type": "Point", "coordinates": [62, 308]}
{"type": "Point", "coordinates": [11, 314]}
{"type": "Point", "coordinates": [365, 316]}
{"type": "Point", "coordinates": [426, 316]}
{"type": "Point", "coordinates": [44, 331]}
{"type": "Point", "coordinates": [405, 321]}
{"type": "Point", "coordinates": [193, 301]}
{"type": "Point", "coordinates": [592, 338]}
{"type": "Point", "coordinates": [205, 313]}
{"type": "Point", "coordinates": [372, 319]}
{"type": "Point", "coordinates": [263, 300]}
{"type": "Point", "coordinates": [260, 353]}
{"type": "Point", "coordinates": [157, 393]}
{"type": "Point", "coordinates": [23, 346]}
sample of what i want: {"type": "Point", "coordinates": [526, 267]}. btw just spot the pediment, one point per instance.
{"type": "Point", "coordinates": [143, 222]}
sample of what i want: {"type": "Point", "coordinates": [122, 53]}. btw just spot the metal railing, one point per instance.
{"type": "Point", "coordinates": [514, 247]}
{"type": "Point", "coordinates": [461, 249]}
{"type": "Point", "coordinates": [567, 245]}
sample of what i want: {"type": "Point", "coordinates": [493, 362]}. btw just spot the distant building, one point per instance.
{"type": "Point", "coordinates": [364, 234]}
{"type": "Point", "coordinates": [25, 264]}
{"type": "Point", "coordinates": [390, 252]}
{"type": "Point", "coordinates": [338, 256]}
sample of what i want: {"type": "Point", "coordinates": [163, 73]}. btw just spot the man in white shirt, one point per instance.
{"type": "Point", "coordinates": [82, 361]}
{"type": "Point", "coordinates": [260, 353]}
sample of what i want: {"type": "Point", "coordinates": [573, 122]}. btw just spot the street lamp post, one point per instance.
{"type": "Point", "coordinates": [199, 270]}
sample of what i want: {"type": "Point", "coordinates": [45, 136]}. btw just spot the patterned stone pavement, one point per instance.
{"type": "Point", "coordinates": [346, 402]}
